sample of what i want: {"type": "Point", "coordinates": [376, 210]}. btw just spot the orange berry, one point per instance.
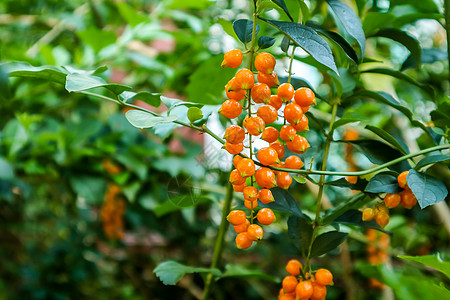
{"type": "Point", "coordinates": [402, 179]}
{"type": "Point", "coordinates": [265, 195]}
{"type": "Point", "coordinates": [236, 95]}
{"type": "Point", "coordinates": [239, 188]}
{"type": "Point", "coordinates": [236, 217]}
{"type": "Point", "coordinates": [265, 216]}
{"type": "Point", "coordinates": [368, 214]}
{"type": "Point", "coordinates": [232, 58]}
{"type": "Point", "coordinates": [265, 62]}
{"type": "Point", "coordinates": [284, 180]}
{"type": "Point", "coordinates": [269, 134]}
{"type": "Point", "coordinates": [408, 200]}
{"type": "Point", "coordinates": [232, 86]}
{"type": "Point", "coordinates": [270, 79]}
{"type": "Point", "coordinates": [293, 113]}
{"type": "Point", "coordinates": [255, 232]}
{"type": "Point", "coordinates": [254, 125]}
{"type": "Point", "coordinates": [289, 284]}
{"type": "Point", "coordinates": [244, 79]}
{"type": "Point", "coordinates": [250, 193]}
{"type": "Point", "coordinates": [230, 109]}
{"type": "Point", "coordinates": [285, 91]}
{"type": "Point", "coordinates": [265, 178]}
{"type": "Point", "coordinates": [242, 227]}
{"type": "Point", "coordinates": [324, 277]}
{"type": "Point", "coordinates": [287, 133]}
{"type": "Point", "coordinates": [287, 296]}
{"type": "Point", "coordinates": [260, 93]}
{"type": "Point", "coordinates": [304, 289]}
{"type": "Point", "coordinates": [236, 160]}
{"type": "Point", "coordinates": [350, 134]}
{"type": "Point", "coordinates": [268, 113]}
{"type": "Point", "coordinates": [392, 200]}
{"type": "Point", "coordinates": [319, 291]}
{"type": "Point", "coordinates": [293, 267]}
{"type": "Point", "coordinates": [305, 108]}
{"type": "Point", "coordinates": [233, 148]}
{"type": "Point", "coordinates": [279, 148]}
{"type": "Point", "coordinates": [293, 162]}
{"type": "Point", "coordinates": [382, 218]}
{"type": "Point", "coordinates": [304, 97]}
{"type": "Point", "coordinates": [251, 204]}
{"type": "Point", "coordinates": [236, 178]}
{"type": "Point", "coordinates": [268, 156]}
{"type": "Point", "coordinates": [243, 241]}
{"type": "Point", "coordinates": [234, 134]}
{"type": "Point", "coordinates": [246, 167]}
{"type": "Point", "coordinates": [303, 124]}
{"type": "Point", "coordinates": [298, 145]}
{"type": "Point", "coordinates": [275, 101]}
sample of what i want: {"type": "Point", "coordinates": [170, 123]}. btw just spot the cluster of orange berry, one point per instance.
{"type": "Point", "coordinates": [112, 212]}
{"type": "Point", "coordinates": [242, 88]}
{"type": "Point", "coordinates": [405, 198]}
{"type": "Point", "coordinates": [314, 288]}
{"type": "Point", "coordinates": [377, 252]}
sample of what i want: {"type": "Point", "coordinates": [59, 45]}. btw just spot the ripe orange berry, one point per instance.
{"type": "Point", "coordinates": [270, 79]}
{"type": "Point", "coordinates": [382, 218]}
{"type": "Point", "coordinates": [287, 133]}
{"type": "Point", "coordinates": [277, 146]}
{"type": "Point", "coordinates": [293, 267]}
{"type": "Point", "coordinates": [260, 93]}
{"type": "Point", "coordinates": [234, 134]}
{"type": "Point", "coordinates": [293, 113]}
{"type": "Point", "coordinates": [392, 200]}
{"type": "Point", "coordinates": [232, 58]}
{"type": "Point", "coordinates": [255, 232]}
{"type": "Point", "coordinates": [246, 167]}
{"type": "Point", "coordinates": [243, 241]}
{"type": "Point", "coordinates": [251, 204]}
{"type": "Point", "coordinates": [285, 91]}
{"type": "Point", "coordinates": [239, 188]}
{"type": "Point", "coordinates": [305, 108]}
{"type": "Point", "coordinates": [408, 200]}
{"type": "Point", "coordinates": [233, 148]}
{"type": "Point", "coordinates": [304, 289]}
{"type": "Point", "coordinates": [302, 125]}
{"type": "Point", "coordinates": [289, 284]}
{"type": "Point", "coordinates": [242, 227]}
{"type": "Point", "coordinates": [236, 217]}
{"type": "Point", "coordinates": [288, 296]}
{"type": "Point", "coordinates": [250, 193]}
{"type": "Point", "coordinates": [304, 97]}
{"type": "Point", "coordinates": [236, 178]}
{"type": "Point", "coordinates": [265, 178]}
{"type": "Point", "coordinates": [236, 160]}
{"type": "Point", "coordinates": [265, 195]}
{"type": "Point", "coordinates": [265, 216]}
{"type": "Point", "coordinates": [230, 109]}
{"type": "Point", "coordinates": [402, 179]}
{"type": "Point", "coordinates": [275, 101]}
{"type": "Point", "coordinates": [268, 113]}
{"type": "Point", "coordinates": [324, 277]}
{"type": "Point", "coordinates": [267, 156]}
{"type": "Point", "coordinates": [236, 95]}
{"type": "Point", "coordinates": [284, 180]}
{"type": "Point", "coordinates": [265, 62]}
{"type": "Point", "coordinates": [368, 214]}
{"type": "Point", "coordinates": [298, 145]}
{"type": "Point", "coordinates": [293, 162]}
{"type": "Point", "coordinates": [254, 125]}
{"type": "Point", "coordinates": [232, 86]}
{"type": "Point", "coordinates": [269, 134]}
{"type": "Point", "coordinates": [244, 79]}
{"type": "Point", "coordinates": [319, 291]}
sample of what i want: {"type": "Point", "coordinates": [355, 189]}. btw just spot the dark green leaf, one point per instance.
{"type": "Point", "coordinates": [355, 202]}
{"type": "Point", "coordinates": [194, 114]}
{"type": "Point", "coordinates": [373, 21]}
{"type": "Point", "coordinates": [265, 42]}
{"type": "Point", "coordinates": [141, 119]}
{"type": "Point", "coordinates": [284, 202]}
{"type": "Point", "coordinates": [178, 203]}
{"type": "Point", "coordinates": [4, 87]}
{"type": "Point", "coordinates": [281, 4]}
{"type": "Point", "coordinates": [349, 51]}
{"type": "Point", "coordinates": [354, 217]}
{"type": "Point", "coordinates": [80, 82]}
{"type": "Point", "coordinates": [285, 44]}
{"type": "Point", "coordinates": [240, 271]}
{"type": "Point", "coordinates": [428, 56]}
{"type": "Point", "coordinates": [306, 38]}
{"type": "Point", "coordinates": [48, 73]}
{"type": "Point", "coordinates": [432, 261]}
{"type": "Point", "coordinates": [427, 189]}
{"type": "Point", "coordinates": [244, 30]}
{"type": "Point", "coordinates": [433, 159]}
{"type": "Point", "coordinates": [170, 272]}
{"type": "Point", "coordinates": [360, 184]}
{"type": "Point", "coordinates": [327, 242]}
{"type": "Point", "coordinates": [344, 121]}
{"type": "Point", "coordinates": [402, 147]}
{"type": "Point", "coordinates": [403, 38]}
{"type": "Point", "coordinates": [152, 99]}
{"type": "Point", "coordinates": [384, 182]}
{"type": "Point", "coordinates": [300, 230]}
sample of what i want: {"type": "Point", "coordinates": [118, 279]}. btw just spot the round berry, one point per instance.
{"type": "Point", "coordinates": [304, 97]}
{"type": "Point", "coordinates": [233, 148]}
{"type": "Point", "coordinates": [265, 178]}
{"type": "Point", "coordinates": [246, 167]}
{"type": "Point", "coordinates": [298, 145]}
{"type": "Point", "coordinates": [293, 113]}
{"type": "Point", "coordinates": [319, 291]}
{"type": "Point", "coordinates": [408, 200]}
{"type": "Point", "coordinates": [268, 113]}
{"type": "Point", "coordinates": [277, 146]}
{"type": "Point", "coordinates": [270, 79]}
{"type": "Point", "coordinates": [303, 124]}
{"type": "Point", "coordinates": [402, 179]}
{"type": "Point", "coordinates": [267, 156]}
{"type": "Point", "coordinates": [236, 178]}
{"type": "Point", "coordinates": [243, 241]}
{"type": "Point", "coordinates": [304, 289]}
{"type": "Point", "coordinates": [236, 217]}
{"type": "Point", "coordinates": [287, 133]}
{"type": "Point", "coordinates": [265, 62]}
{"type": "Point", "coordinates": [255, 232]}
{"type": "Point", "coordinates": [234, 134]}
{"type": "Point", "coordinates": [293, 267]}
{"type": "Point", "coordinates": [239, 188]}
{"type": "Point", "coordinates": [275, 101]}
{"type": "Point", "coordinates": [254, 125]}
{"type": "Point", "coordinates": [382, 218]}
{"type": "Point", "coordinates": [265, 196]}
{"type": "Point", "coordinates": [284, 180]}
{"type": "Point", "coordinates": [285, 91]}
{"type": "Point", "coordinates": [289, 284]}
{"type": "Point", "coordinates": [324, 277]}
{"type": "Point", "coordinates": [251, 204]}
{"type": "Point", "coordinates": [260, 93]}
{"type": "Point", "coordinates": [230, 109]}
{"type": "Point", "coordinates": [265, 216]}
{"type": "Point", "coordinates": [293, 162]}
{"type": "Point", "coordinates": [242, 227]}
{"type": "Point", "coordinates": [250, 193]}
{"type": "Point", "coordinates": [270, 134]}
{"type": "Point", "coordinates": [232, 58]}
{"type": "Point", "coordinates": [368, 214]}
{"type": "Point", "coordinates": [392, 200]}
{"type": "Point", "coordinates": [244, 79]}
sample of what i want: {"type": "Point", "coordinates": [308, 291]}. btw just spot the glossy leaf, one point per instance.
{"type": "Point", "coordinates": [300, 230]}
{"type": "Point", "coordinates": [141, 119]}
{"type": "Point", "coordinates": [403, 38]}
{"type": "Point", "coordinates": [170, 272]}
{"type": "Point", "coordinates": [265, 42]}
{"type": "Point", "coordinates": [327, 242]}
{"type": "Point", "coordinates": [354, 217]}
{"type": "Point", "coordinates": [152, 99]}
{"type": "Point", "coordinates": [373, 21]}
{"type": "Point", "coordinates": [284, 202]}
{"type": "Point", "coordinates": [344, 121]}
{"type": "Point", "coordinates": [355, 202]}
{"type": "Point", "coordinates": [80, 82]}
{"type": "Point", "coordinates": [431, 261]}
{"type": "Point", "coordinates": [402, 147]}
{"type": "Point", "coordinates": [384, 182]}
{"type": "Point", "coordinates": [22, 69]}
{"type": "Point", "coordinates": [283, 6]}
{"type": "Point", "coordinates": [427, 189]}
{"type": "Point", "coordinates": [194, 114]}
{"type": "Point", "coordinates": [431, 160]}
{"type": "Point", "coordinates": [172, 103]}
{"type": "Point", "coordinates": [300, 179]}
{"type": "Point", "coordinates": [244, 30]}
{"type": "Point", "coordinates": [339, 40]}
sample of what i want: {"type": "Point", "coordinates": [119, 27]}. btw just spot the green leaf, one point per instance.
{"type": "Point", "coordinates": [327, 242]}
{"type": "Point", "coordinates": [131, 15]}
{"type": "Point", "coordinates": [171, 103]}
{"type": "Point", "coordinates": [227, 27]}
{"type": "Point", "coordinates": [284, 202]}
{"type": "Point", "coordinates": [194, 114]}
{"type": "Point", "coordinates": [300, 179]}
{"type": "Point", "coordinates": [170, 272]}
{"type": "Point", "coordinates": [265, 42]}
{"type": "Point", "coordinates": [389, 138]}
{"type": "Point", "coordinates": [345, 121]}
{"type": "Point", "coordinates": [153, 99]}
{"type": "Point", "coordinates": [428, 56]}
{"type": "Point", "coordinates": [241, 271]}
{"type": "Point", "coordinates": [341, 42]}
{"type": "Point", "coordinates": [430, 160]}
{"type": "Point", "coordinates": [4, 86]}
{"type": "Point", "coordinates": [91, 188]}
{"type": "Point", "coordinates": [432, 261]}
{"type": "Point", "coordinates": [300, 230]}
{"type": "Point", "coordinates": [48, 73]}
{"type": "Point", "coordinates": [80, 82]}
{"type": "Point", "coordinates": [283, 6]}
{"type": "Point", "coordinates": [178, 203]}
{"type": "Point", "coordinates": [7, 171]}
{"type": "Point", "coordinates": [373, 21]}
{"type": "Point", "coordinates": [306, 15]}
{"type": "Point", "coordinates": [306, 38]}
{"type": "Point", "coordinates": [384, 182]}
{"type": "Point", "coordinates": [360, 184]}
{"type": "Point", "coordinates": [355, 202]}
{"type": "Point", "coordinates": [97, 38]}
{"type": "Point", "coordinates": [350, 23]}
{"type": "Point", "coordinates": [354, 217]}
{"type": "Point", "coordinates": [427, 189]}
{"type": "Point", "coordinates": [141, 119]}
{"type": "Point", "coordinates": [244, 30]}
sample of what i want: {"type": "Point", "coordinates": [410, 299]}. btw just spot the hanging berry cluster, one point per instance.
{"type": "Point", "coordinates": [111, 213]}
{"type": "Point", "coordinates": [298, 285]}
{"type": "Point", "coordinates": [380, 212]}
{"type": "Point", "coordinates": [246, 177]}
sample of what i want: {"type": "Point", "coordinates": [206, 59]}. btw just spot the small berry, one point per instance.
{"type": "Point", "coordinates": [275, 101]}
{"type": "Point", "coordinates": [232, 58]}
{"type": "Point", "coordinates": [251, 193]}
{"type": "Point", "coordinates": [243, 241]}
{"type": "Point", "coordinates": [239, 188]}
{"type": "Point", "coordinates": [287, 133]}
{"type": "Point", "coordinates": [285, 91]}
{"type": "Point", "coordinates": [236, 95]}
{"type": "Point", "coordinates": [408, 199]}
{"type": "Point", "coordinates": [265, 216]}
{"type": "Point", "coordinates": [304, 289]}
{"type": "Point", "coordinates": [293, 162]}
{"type": "Point", "coordinates": [236, 178]}
{"type": "Point", "coordinates": [392, 200]}
{"type": "Point", "coordinates": [305, 108]}
{"type": "Point", "coordinates": [268, 113]}
{"type": "Point", "coordinates": [270, 134]}
{"type": "Point", "coordinates": [319, 291]}
{"type": "Point", "coordinates": [402, 179]}
{"type": "Point", "coordinates": [254, 125]}
{"type": "Point", "coordinates": [233, 148]}
{"type": "Point", "coordinates": [231, 109]}
{"type": "Point", "coordinates": [236, 217]}
{"type": "Point", "coordinates": [293, 113]}
{"type": "Point", "coordinates": [242, 227]}
{"type": "Point", "coordinates": [265, 196]}
{"type": "Point", "coordinates": [234, 134]}
{"type": "Point", "coordinates": [298, 145]}
{"type": "Point", "coordinates": [265, 178]}
{"type": "Point", "coordinates": [284, 180]}
{"type": "Point", "coordinates": [293, 267]}
{"type": "Point", "coordinates": [244, 79]}
{"type": "Point", "coordinates": [289, 284]}
{"type": "Point", "coordinates": [382, 218]}
{"type": "Point", "coordinates": [270, 79]}
{"type": "Point", "coordinates": [260, 93]}
{"type": "Point", "coordinates": [236, 160]}
{"type": "Point", "coordinates": [246, 167]}
{"type": "Point", "coordinates": [265, 62]}
{"type": "Point", "coordinates": [251, 204]}
{"type": "Point", "coordinates": [279, 148]}
{"type": "Point", "coordinates": [368, 214]}
{"type": "Point", "coordinates": [267, 156]}
{"type": "Point", "coordinates": [304, 97]}
{"type": "Point", "coordinates": [233, 86]}
{"type": "Point", "coordinates": [255, 232]}
{"type": "Point", "coordinates": [303, 124]}
{"type": "Point", "coordinates": [324, 277]}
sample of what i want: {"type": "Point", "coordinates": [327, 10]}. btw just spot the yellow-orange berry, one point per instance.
{"type": "Point", "coordinates": [239, 188]}
{"type": "Point", "coordinates": [293, 267]}
{"type": "Point", "coordinates": [285, 91]}
{"type": "Point", "coordinates": [304, 289]}
{"type": "Point", "coordinates": [234, 134]}
{"type": "Point", "coordinates": [243, 241]}
{"type": "Point", "coordinates": [232, 58]}
{"type": "Point", "coordinates": [382, 218]}
{"type": "Point", "coordinates": [408, 200]}
{"type": "Point", "coordinates": [233, 148]}
{"type": "Point", "coordinates": [236, 95]}
{"type": "Point", "coordinates": [289, 284]}
{"type": "Point", "coordinates": [275, 101]}
{"type": "Point", "coordinates": [284, 180]}
{"type": "Point", "coordinates": [260, 93]}
{"type": "Point", "coordinates": [277, 146]}
{"type": "Point", "coordinates": [304, 97]}
{"type": "Point", "coordinates": [230, 109]}
{"type": "Point", "coordinates": [368, 214]}
{"type": "Point", "coordinates": [270, 79]}
{"type": "Point", "coordinates": [293, 162]}
{"type": "Point", "coordinates": [402, 179]}
{"type": "Point", "coordinates": [246, 167]}
{"type": "Point", "coordinates": [255, 125]}
{"type": "Point", "coordinates": [251, 204]}
{"type": "Point", "coordinates": [267, 156]}
{"type": "Point", "coordinates": [319, 291]}
{"type": "Point", "coordinates": [255, 232]}
{"type": "Point", "coordinates": [244, 79]}
{"type": "Point", "coordinates": [298, 145]}
{"type": "Point", "coordinates": [236, 160]}
{"type": "Point", "coordinates": [250, 193]}
{"type": "Point", "coordinates": [270, 134]}
{"type": "Point", "coordinates": [305, 108]}
{"type": "Point", "coordinates": [232, 86]}
{"type": "Point", "coordinates": [236, 217]}
{"type": "Point", "coordinates": [265, 62]}
{"type": "Point", "coordinates": [303, 124]}
{"type": "Point", "coordinates": [268, 113]}
{"type": "Point", "coordinates": [265, 196]}
{"type": "Point", "coordinates": [293, 113]}
{"type": "Point", "coordinates": [242, 227]}
{"type": "Point", "coordinates": [392, 200]}
{"type": "Point", "coordinates": [236, 178]}
{"type": "Point", "coordinates": [265, 216]}
{"type": "Point", "coordinates": [324, 277]}
{"type": "Point", "coordinates": [265, 178]}
{"type": "Point", "coordinates": [287, 133]}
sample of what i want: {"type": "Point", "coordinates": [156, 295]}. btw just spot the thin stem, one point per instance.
{"type": "Point", "coordinates": [218, 247]}
{"type": "Point", "coordinates": [290, 64]}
